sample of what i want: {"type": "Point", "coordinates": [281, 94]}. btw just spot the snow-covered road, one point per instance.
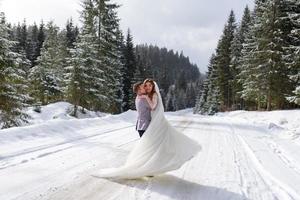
{"type": "Point", "coordinates": [240, 159]}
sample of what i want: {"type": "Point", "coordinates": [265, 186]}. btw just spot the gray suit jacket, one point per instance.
{"type": "Point", "coordinates": [144, 113]}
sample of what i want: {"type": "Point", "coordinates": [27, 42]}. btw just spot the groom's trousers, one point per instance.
{"type": "Point", "coordinates": [141, 132]}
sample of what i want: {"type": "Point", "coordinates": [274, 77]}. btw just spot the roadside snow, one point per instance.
{"type": "Point", "coordinates": [283, 123]}
{"type": "Point", "coordinates": [59, 110]}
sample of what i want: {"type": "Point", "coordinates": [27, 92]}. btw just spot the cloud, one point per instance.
{"type": "Point", "coordinates": [191, 26]}
{"type": "Point", "coordinates": [36, 10]}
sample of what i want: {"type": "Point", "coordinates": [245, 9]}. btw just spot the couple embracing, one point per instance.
{"type": "Point", "coordinates": [145, 102]}
{"type": "Point", "coordinates": [161, 148]}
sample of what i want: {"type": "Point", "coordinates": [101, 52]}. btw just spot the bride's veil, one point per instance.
{"type": "Point", "coordinates": [160, 107]}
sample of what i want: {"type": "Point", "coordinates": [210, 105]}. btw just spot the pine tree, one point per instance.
{"type": "Point", "coordinates": [109, 40]}
{"type": "Point", "coordinates": [71, 34]}
{"type": "Point", "coordinates": [137, 77]}
{"type": "Point", "coordinates": [198, 100]}
{"type": "Point", "coordinates": [82, 82]}
{"type": "Point", "coordinates": [214, 96]}
{"type": "Point", "coordinates": [223, 53]}
{"type": "Point", "coordinates": [170, 101]}
{"type": "Point", "coordinates": [236, 54]}
{"type": "Point", "coordinates": [180, 92]}
{"type": "Point", "coordinates": [13, 88]}
{"type": "Point", "coordinates": [128, 74]}
{"type": "Point", "coordinates": [33, 45]}
{"type": "Point", "coordinates": [292, 53]}
{"type": "Point", "coordinates": [202, 104]}
{"type": "Point", "coordinates": [217, 90]}
{"type": "Point", "coordinates": [264, 72]}
{"type": "Point", "coordinates": [47, 76]}
{"type": "Point", "coordinates": [41, 38]}
{"type": "Point", "coordinates": [84, 75]}
{"type": "Point", "coordinates": [213, 99]}
{"type": "Point", "coordinates": [20, 47]}
{"type": "Point", "coordinates": [22, 37]}
{"type": "Point", "coordinates": [279, 82]}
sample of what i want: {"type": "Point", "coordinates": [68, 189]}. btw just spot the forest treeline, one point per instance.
{"type": "Point", "coordinates": [92, 66]}
{"type": "Point", "coordinates": [256, 65]}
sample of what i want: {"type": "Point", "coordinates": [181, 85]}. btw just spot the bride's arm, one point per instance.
{"type": "Point", "coordinates": [153, 102]}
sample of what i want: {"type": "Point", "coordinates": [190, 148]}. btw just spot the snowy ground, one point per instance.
{"type": "Point", "coordinates": [246, 155]}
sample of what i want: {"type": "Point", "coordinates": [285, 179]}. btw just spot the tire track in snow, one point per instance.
{"type": "Point", "coordinates": [252, 184]}
{"type": "Point", "coordinates": [284, 158]}
{"type": "Point", "coordinates": [279, 189]}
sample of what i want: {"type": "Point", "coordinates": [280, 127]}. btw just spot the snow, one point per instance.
{"type": "Point", "coordinates": [59, 110]}
{"type": "Point", "coordinates": [285, 124]}
{"type": "Point", "coordinates": [246, 155]}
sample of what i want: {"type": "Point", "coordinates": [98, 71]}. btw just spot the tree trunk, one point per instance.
{"type": "Point", "coordinates": [269, 101]}
{"type": "Point", "coordinates": [75, 110]}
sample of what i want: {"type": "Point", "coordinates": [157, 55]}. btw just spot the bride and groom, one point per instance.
{"type": "Point", "coordinates": [161, 148]}
{"type": "Point", "coordinates": [145, 102]}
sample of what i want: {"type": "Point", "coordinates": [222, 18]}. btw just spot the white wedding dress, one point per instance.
{"type": "Point", "coordinates": [162, 148]}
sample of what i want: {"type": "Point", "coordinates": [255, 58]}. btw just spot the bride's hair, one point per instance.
{"type": "Point", "coordinates": [151, 81]}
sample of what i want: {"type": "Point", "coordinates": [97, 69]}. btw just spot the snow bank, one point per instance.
{"type": "Point", "coordinates": [55, 125]}
{"type": "Point", "coordinates": [59, 110]}
{"type": "Point", "coordinates": [284, 123]}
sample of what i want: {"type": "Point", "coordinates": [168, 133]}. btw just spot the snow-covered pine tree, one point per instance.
{"type": "Point", "coordinates": [47, 76]}
{"type": "Point", "coordinates": [128, 74]}
{"type": "Point", "coordinates": [71, 34]}
{"type": "Point", "coordinates": [213, 100]}
{"type": "Point", "coordinates": [170, 101]}
{"type": "Point", "coordinates": [292, 54]}
{"type": "Point", "coordinates": [223, 53]}
{"type": "Point", "coordinates": [41, 38]}
{"type": "Point", "coordinates": [201, 103]}
{"type": "Point", "coordinates": [180, 91]}
{"type": "Point", "coordinates": [13, 88]}
{"type": "Point", "coordinates": [217, 89]}
{"type": "Point", "coordinates": [33, 44]}
{"type": "Point", "coordinates": [264, 72]}
{"type": "Point", "coordinates": [198, 105]}
{"type": "Point", "coordinates": [276, 32]}
{"type": "Point", "coordinates": [236, 54]}
{"type": "Point", "coordinates": [84, 75]}
{"type": "Point", "coordinates": [190, 100]}
{"type": "Point", "coordinates": [110, 52]}
{"type": "Point", "coordinates": [144, 55]}
{"type": "Point", "coordinates": [120, 92]}
{"type": "Point", "coordinates": [296, 96]}
{"type": "Point", "coordinates": [253, 72]}
{"type": "Point", "coordinates": [21, 36]}
{"type": "Point", "coordinates": [137, 77]}
{"type": "Point", "coordinates": [201, 98]}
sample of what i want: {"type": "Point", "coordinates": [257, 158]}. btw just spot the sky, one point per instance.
{"type": "Point", "coordinates": [191, 26]}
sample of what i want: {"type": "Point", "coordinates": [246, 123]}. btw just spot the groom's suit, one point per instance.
{"type": "Point", "coordinates": [144, 115]}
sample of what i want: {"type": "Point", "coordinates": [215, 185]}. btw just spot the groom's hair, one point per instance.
{"type": "Point", "coordinates": [136, 87]}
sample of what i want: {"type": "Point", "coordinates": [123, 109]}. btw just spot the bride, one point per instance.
{"type": "Point", "coordinates": [162, 148]}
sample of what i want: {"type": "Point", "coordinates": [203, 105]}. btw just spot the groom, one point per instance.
{"type": "Point", "coordinates": [142, 107]}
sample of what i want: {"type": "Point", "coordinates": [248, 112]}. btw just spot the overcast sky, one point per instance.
{"type": "Point", "coordinates": [193, 26]}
